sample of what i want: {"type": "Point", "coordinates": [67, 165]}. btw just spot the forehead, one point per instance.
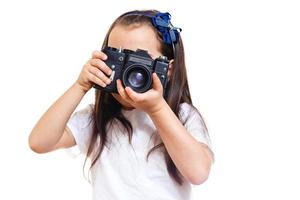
{"type": "Point", "coordinates": [135, 37]}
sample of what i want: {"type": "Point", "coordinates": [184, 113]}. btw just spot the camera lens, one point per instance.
{"type": "Point", "coordinates": [138, 77]}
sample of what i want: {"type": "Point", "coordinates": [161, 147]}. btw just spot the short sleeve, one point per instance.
{"type": "Point", "coordinates": [81, 126]}
{"type": "Point", "coordinates": [194, 124]}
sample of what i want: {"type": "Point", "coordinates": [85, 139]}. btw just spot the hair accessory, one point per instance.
{"type": "Point", "coordinates": [162, 22]}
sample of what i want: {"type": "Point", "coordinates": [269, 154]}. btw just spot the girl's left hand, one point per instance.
{"type": "Point", "coordinates": [150, 101]}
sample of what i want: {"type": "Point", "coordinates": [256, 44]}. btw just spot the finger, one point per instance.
{"type": "Point", "coordinates": [99, 55]}
{"type": "Point", "coordinates": [134, 96]}
{"type": "Point", "coordinates": [101, 65]}
{"type": "Point", "coordinates": [156, 85]}
{"type": "Point", "coordinates": [92, 78]}
{"type": "Point", "coordinates": [121, 91]}
{"type": "Point", "coordinates": [95, 71]}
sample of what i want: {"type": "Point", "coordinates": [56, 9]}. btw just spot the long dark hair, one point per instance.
{"type": "Point", "coordinates": [107, 109]}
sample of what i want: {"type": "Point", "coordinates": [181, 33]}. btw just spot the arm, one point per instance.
{"type": "Point", "coordinates": [48, 131]}
{"type": "Point", "coordinates": [192, 158]}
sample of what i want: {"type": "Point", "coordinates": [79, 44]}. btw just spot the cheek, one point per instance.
{"type": "Point", "coordinates": [170, 71]}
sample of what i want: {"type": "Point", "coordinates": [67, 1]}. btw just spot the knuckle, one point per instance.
{"type": "Point", "coordinates": [91, 78]}
{"type": "Point", "coordinates": [105, 68]}
{"type": "Point", "coordinates": [99, 64]}
{"type": "Point", "coordinates": [94, 79]}
{"type": "Point", "coordinates": [98, 73]}
{"type": "Point", "coordinates": [91, 62]}
{"type": "Point", "coordinates": [95, 62]}
{"type": "Point", "coordinates": [87, 67]}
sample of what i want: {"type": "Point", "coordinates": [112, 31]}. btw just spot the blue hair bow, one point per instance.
{"type": "Point", "coordinates": [162, 22]}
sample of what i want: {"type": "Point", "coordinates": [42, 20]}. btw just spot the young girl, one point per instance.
{"type": "Point", "coordinates": [150, 145]}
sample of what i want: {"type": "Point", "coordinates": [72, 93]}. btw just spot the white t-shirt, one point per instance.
{"type": "Point", "coordinates": [122, 171]}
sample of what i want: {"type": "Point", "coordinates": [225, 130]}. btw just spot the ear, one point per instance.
{"type": "Point", "coordinates": [170, 70]}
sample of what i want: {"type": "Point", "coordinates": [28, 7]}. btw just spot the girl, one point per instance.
{"type": "Point", "coordinates": [141, 145]}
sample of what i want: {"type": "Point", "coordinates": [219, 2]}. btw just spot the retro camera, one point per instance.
{"type": "Point", "coordinates": [134, 69]}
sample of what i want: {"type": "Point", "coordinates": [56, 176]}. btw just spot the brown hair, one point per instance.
{"type": "Point", "coordinates": [108, 110]}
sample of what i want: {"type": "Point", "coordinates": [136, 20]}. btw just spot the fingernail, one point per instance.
{"type": "Point", "coordinates": [108, 81]}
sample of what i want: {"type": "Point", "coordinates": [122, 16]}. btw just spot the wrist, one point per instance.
{"type": "Point", "coordinates": [79, 88]}
{"type": "Point", "coordinates": [160, 107]}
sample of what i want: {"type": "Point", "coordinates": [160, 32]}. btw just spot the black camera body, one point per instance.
{"type": "Point", "coordinates": [134, 69]}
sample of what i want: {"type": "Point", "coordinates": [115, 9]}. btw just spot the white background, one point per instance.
{"type": "Point", "coordinates": [243, 67]}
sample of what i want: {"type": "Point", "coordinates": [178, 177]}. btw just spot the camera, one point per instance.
{"type": "Point", "coordinates": [134, 69]}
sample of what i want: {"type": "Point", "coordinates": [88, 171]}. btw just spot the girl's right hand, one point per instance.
{"type": "Point", "coordinates": [95, 71]}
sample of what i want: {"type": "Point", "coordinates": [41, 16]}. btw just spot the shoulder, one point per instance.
{"type": "Point", "coordinates": [80, 125]}
{"type": "Point", "coordinates": [187, 111]}
{"type": "Point", "coordinates": [184, 107]}
{"type": "Point", "coordinates": [87, 110]}
{"type": "Point", "coordinates": [191, 117]}
{"type": "Point", "coordinates": [194, 123]}
{"type": "Point", "coordinates": [83, 117]}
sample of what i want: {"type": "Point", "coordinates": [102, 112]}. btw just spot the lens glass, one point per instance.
{"type": "Point", "coordinates": [137, 78]}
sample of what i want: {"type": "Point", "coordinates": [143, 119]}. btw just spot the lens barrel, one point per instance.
{"type": "Point", "coordinates": [138, 77]}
